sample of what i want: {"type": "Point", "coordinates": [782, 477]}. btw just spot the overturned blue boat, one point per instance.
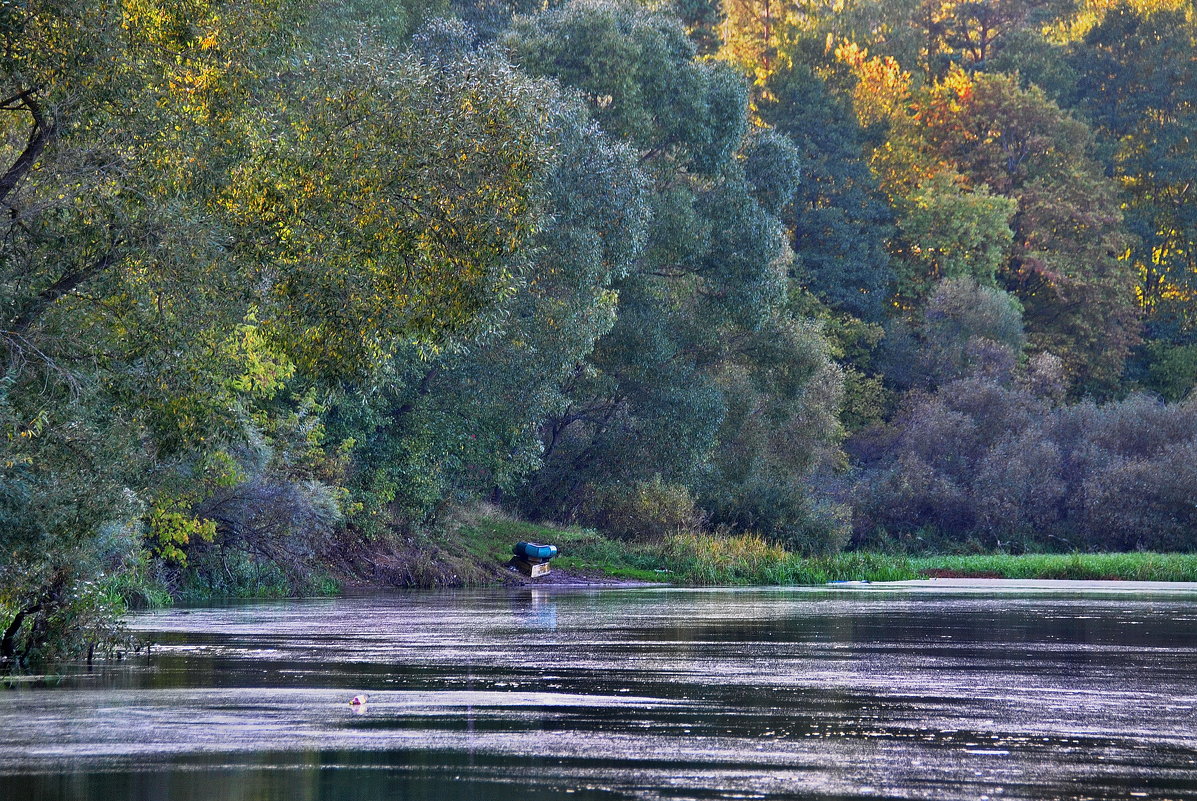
{"type": "Point", "coordinates": [533, 551]}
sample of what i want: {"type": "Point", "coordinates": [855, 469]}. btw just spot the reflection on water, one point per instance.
{"type": "Point", "coordinates": [645, 693]}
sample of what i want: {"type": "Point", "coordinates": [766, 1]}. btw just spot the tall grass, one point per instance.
{"type": "Point", "coordinates": [706, 559]}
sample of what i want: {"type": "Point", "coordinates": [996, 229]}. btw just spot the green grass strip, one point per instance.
{"type": "Point", "coordinates": [706, 560]}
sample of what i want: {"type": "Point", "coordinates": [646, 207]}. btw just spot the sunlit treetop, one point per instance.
{"type": "Point", "coordinates": [380, 200]}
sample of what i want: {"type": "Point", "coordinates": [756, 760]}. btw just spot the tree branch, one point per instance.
{"type": "Point", "coordinates": [63, 286]}
{"type": "Point", "coordinates": [8, 649]}
{"type": "Point", "coordinates": [38, 137]}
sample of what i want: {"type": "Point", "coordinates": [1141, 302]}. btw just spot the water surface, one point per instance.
{"type": "Point", "coordinates": [972, 692]}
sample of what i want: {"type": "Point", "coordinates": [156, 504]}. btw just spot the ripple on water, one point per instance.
{"type": "Point", "coordinates": [651, 693]}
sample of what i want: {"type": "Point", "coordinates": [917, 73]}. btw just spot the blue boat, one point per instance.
{"type": "Point", "coordinates": [531, 550]}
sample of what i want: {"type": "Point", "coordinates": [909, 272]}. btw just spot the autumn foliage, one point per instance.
{"type": "Point", "coordinates": [282, 281]}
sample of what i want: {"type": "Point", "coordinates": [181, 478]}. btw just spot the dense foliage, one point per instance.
{"type": "Point", "coordinates": [283, 280]}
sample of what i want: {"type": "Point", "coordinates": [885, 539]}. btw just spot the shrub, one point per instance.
{"type": "Point", "coordinates": [646, 510]}
{"type": "Point", "coordinates": [784, 513]}
{"type": "Point", "coordinates": [1018, 489]}
{"type": "Point", "coordinates": [970, 329]}
{"type": "Point", "coordinates": [1141, 504]}
{"type": "Point", "coordinates": [908, 496]}
{"type": "Point", "coordinates": [63, 605]}
{"type": "Point", "coordinates": [981, 459]}
{"type": "Point", "coordinates": [276, 533]}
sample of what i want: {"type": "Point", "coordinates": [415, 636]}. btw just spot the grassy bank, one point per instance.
{"type": "Point", "coordinates": [1098, 566]}
{"type": "Point", "coordinates": [699, 559]}
{"type": "Point", "coordinates": [694, 559]}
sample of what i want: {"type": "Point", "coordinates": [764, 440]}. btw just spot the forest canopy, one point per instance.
{"type": "Point", "coordinates": [283, 281]}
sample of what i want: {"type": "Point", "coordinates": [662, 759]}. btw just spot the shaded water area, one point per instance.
{"type": "Point", "coordinates": [651, 693]}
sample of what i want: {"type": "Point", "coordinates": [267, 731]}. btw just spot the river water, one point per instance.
{"type": "Point", "coordinates": [939, 690]}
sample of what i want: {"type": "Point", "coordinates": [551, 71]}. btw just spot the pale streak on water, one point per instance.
{"type": "Point", "coordinates": [978, 691]}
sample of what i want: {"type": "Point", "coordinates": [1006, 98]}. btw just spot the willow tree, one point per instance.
{"type": "Point", "coordinates": [112, 272]}
{"type": "Point", "coordinates": [467, 418]}
{"type": "Point", "coordinates": [214, 217]}
{"type": "Point", "coordinates": [704, 309]}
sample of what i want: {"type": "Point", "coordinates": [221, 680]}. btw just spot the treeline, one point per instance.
{"type": "Point", "coordinates": [289, 279]}
{"type": "Point", "coordinates": [1027, 387]}
{"type": "Point", "coordinates": [283, 278]}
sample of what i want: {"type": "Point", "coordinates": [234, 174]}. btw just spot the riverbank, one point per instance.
{"type": "Point", "coordinates": [1138, 566]}
{"type": "Point", "coordinates": [703, 559]}
{"type": "Point", "coordinates": [472, 547]}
